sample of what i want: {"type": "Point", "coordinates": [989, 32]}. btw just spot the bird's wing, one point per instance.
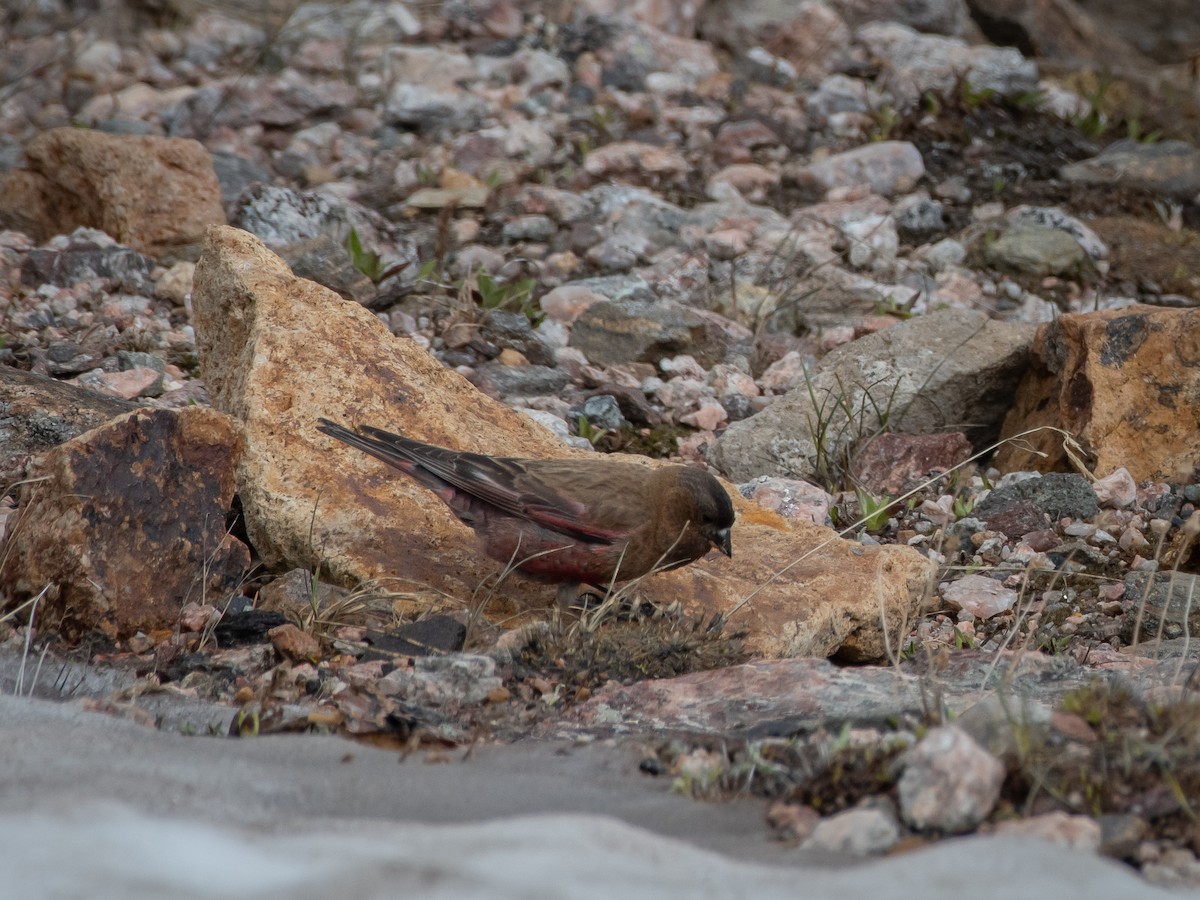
{"type": "Point", "coordinates": [513, 486]}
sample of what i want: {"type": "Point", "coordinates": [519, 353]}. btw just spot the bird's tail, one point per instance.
{"type": "Point", "coordinates": [392, 451]}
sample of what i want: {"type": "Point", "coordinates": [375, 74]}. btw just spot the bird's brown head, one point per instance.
{"type": "Point", "coordinates": [707, 506]}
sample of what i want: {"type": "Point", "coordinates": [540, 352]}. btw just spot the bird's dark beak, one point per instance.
{"type": "Point", "coordinates": [724, 542]}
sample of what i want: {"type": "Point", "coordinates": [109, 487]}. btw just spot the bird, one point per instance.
{"type": "Point", "coordinates": [570, 522]}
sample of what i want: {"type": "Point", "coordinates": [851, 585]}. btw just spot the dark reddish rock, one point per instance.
{"type": "Point", "coordinates": [1014, 518]}
{"type": "Point", "coordinates": [123, 525]}
{"type": "Point", "coordinates": [894, 463]}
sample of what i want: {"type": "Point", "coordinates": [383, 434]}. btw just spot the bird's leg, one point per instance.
{"type": "Point", "coordinates": [568, 593]}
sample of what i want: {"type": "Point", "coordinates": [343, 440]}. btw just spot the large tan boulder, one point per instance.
{"type": "Point", "coordinates": [278, 351]}
{"type": "Point", "coordinates": [1124, 382]}
{"type": "Point", "coordinates": [155, 194]}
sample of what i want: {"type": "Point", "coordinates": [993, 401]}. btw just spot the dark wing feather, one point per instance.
{"type": "Point", "coordinates": [510, 485]}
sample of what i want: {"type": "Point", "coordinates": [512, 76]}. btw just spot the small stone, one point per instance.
{"type": "Point", "coordinates": [888, 167]}
{"type": "Point", "coordinates": [511, 357]}
{"type": "Point", "coordinates": [1121, 834]}
{"type": "Point", "coordinates": [195, 616]}
{"type": "Point", "coordinates": [603, 411]}
{"type": "Point", "coordinates": [566, 302]}
{"type": "Point", "coordinates": [1076, 832]}
{"type": "Point", "coordinates": [950, 783]}
{"type": "Point", "coordinates": [294, 644]}
{"type": "Point", "coordinates": [792, 821]}
{"type": "Point", "coordinates": [857, 832]}
{"type": "Point", "coordinates": [518, 381]}
{"type": "Point", "coordinates": [1116, 490]}
{"type": "Point", "coordinates": [979, 595]}
{"type": "Point", "coordinates": [634, 159]}
{"type": "Point", "coordinates": [1036, 250]}
{"type": "Point", "coordinates": [529, 228]}
{"type": "Point", "coordinates": [709, 417]}
{"type": "Point", "coordinates": [139, 382]}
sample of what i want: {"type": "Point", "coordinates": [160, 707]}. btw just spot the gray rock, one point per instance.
{"type": "Point", "coordinates": [917, 217]}
{"type": "Point", "coordinates": [924, 375]}
{"type": "Point", "coordinates": [870, 831]}
{"type": "Point", "coordinates": [86, 255]}
{"type": "Point", "coordinates": [889, 167]}
{"type": "Point", "coordinates": [514, 330]}
{"type": "Point", "coordinates": [627, 212]}
{"type": "Point", "coordinates": [1056, 494]}
{"type": "Point", "coordinates": [602, 411]}
{"type": "Point", "coordinates": [325, 261]}
{"type": "Point", "coordinates": [1170, 167]}
{"type": "Point", "coordinates": [618, 287]}
{"type": "Point", "coordinates": [69, 358]}
{"type": "Point", "coordinates": [1054, 217]}
{"type": "Point", "coordinates": [518, 381]}
{"type": "Point", "coordinates": [133, 359]}
{"type": "Point", "coordinates": [529, 228]}
{"type": "Point", "coordinates": [434, 109]}
{"type": "Point", "coordinates": [1036, 250]}
{"type": "Point", "coordinates": [620, 331]}
{"type": "Point", "coordinates": [282, 218]}
{"type": "Point", "coordinates": [915, 63]}
{"type": "Point", "coordinates": [838, 94]}
{"type": "Point", "coordinates": [236, 174]}
{"type": "Point", "coordinates": [494, 824]}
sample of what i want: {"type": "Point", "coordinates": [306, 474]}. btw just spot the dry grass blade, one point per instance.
{"type": "Point", "coordinates": [33, 605]}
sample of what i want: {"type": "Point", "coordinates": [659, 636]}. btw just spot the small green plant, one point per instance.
{"type": "Point", "coordinates": [963, 507]}
{"type": "Point", "coordinates": [963, 641]}
{"type": "Point", "coordinates": [589, 432]}
{"type": "Point", "coordinates": [1030, 101]}
{"type": "Point", "coordinates": [1133, 130]}
{"type": "Point", "coordinates": [427, 176]}
{"type": "Point", "coordinates": [873, 510]}
{"type": "Point", "coordinates": [515, 296]}
{"type": "Point", "coordinates": [369, 262]}
{"type": "Point", "coordinates": [1055, 646]}
{"type": "Point", "coordinates": [889, 306]}
{"type": "Point", "coordinates": [1094, 122]}
{"type": "Point", "coordinates": [886, 118]}
{"type": "Point", "coordinates": [246, 723]}
{"type": "Point", "coordinates": [973, 98]}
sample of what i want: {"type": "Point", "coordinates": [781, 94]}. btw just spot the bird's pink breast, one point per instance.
{"type": "Point", "coordinates": [546, 554]}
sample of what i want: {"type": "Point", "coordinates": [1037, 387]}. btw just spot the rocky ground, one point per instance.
{"type": "Point", "coordinates": [928, 303]}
